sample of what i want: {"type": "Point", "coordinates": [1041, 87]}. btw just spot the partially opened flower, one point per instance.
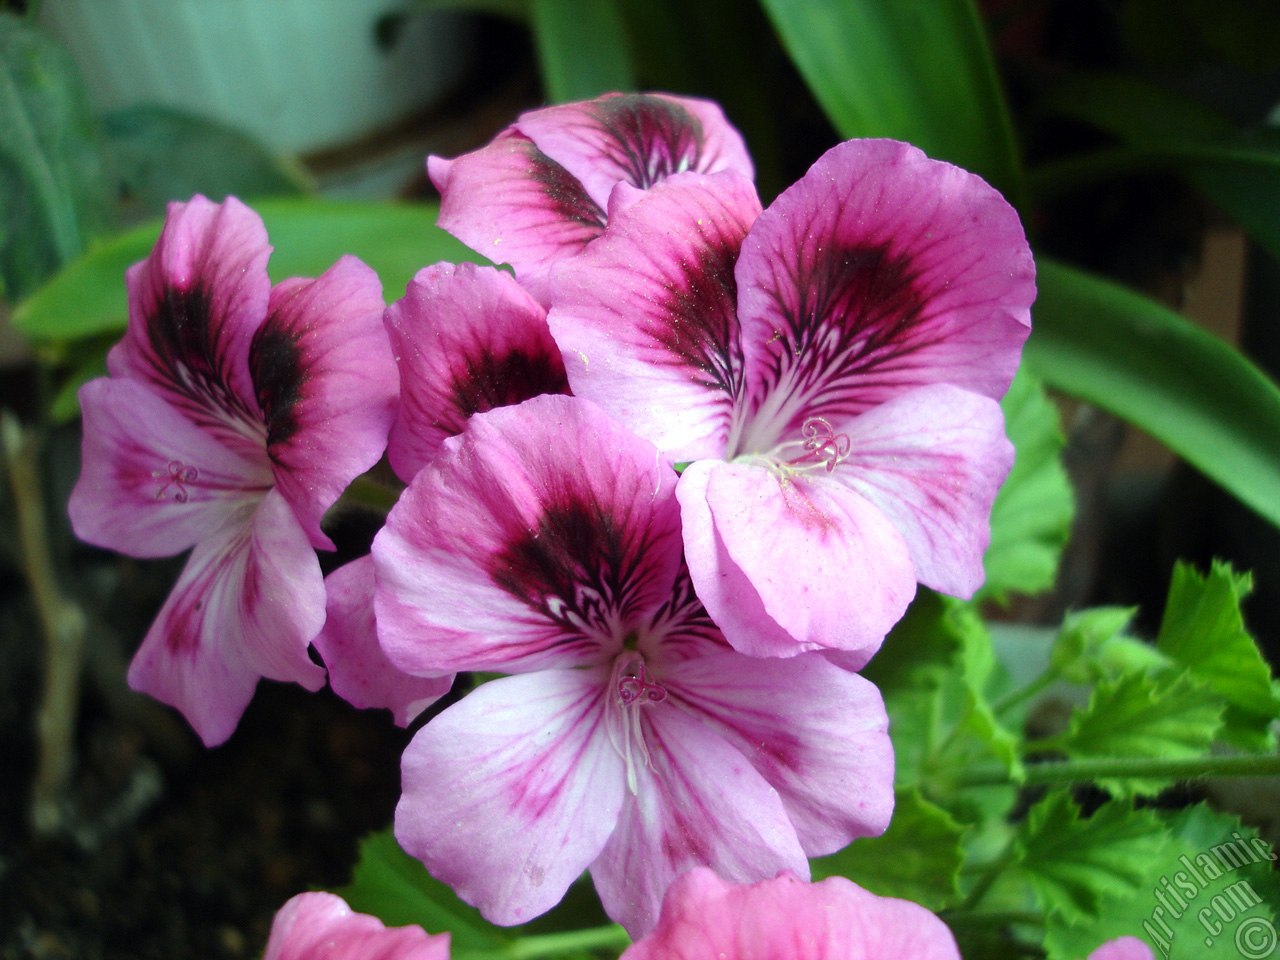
{"type": "Point", "coordinates": [539, 192]}
{"type": "Point", "coordinates": [234, 417]}
{"type": "Point", "coordinates": [832, 367]}
{"type": "Point", "coordinates": [544, 542]}
{"type": "Point", "coordinates": [788, 919]}
{"type": "Point", "coordinates": [320, 926]}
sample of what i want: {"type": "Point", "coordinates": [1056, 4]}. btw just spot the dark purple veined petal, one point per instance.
{"type": "Point", "coordinates": [636, 138]}
{"type": "Point", "coordinates": [194, 305]}
{"type": "Point", "coordinates": [646, 317]}
{"type": "Point", "coordinates": [932, 461]}
{"type": "Point", "coordinates": [152, 483]}
{"type": "Point", "coordinates": [247, 605]}
{"type": "Point", "coordinates": [818, 734]}
{"type": "Point", "coordinates": [530, 541]}
{"type": "Point", "coordinates": [326, 385]}
{"type": "Point", "coordinates": [878, 271]}
{"type": "Point", "coordinates": [467, 339]}
{"type": "Point", "coordinates": [512, 203]}
{"type": "Point", "coordinates": [359, 672]}
{"type": "Point", "coordinates": [698, 803]}
{"type": "Point", "coordinates": [510, 793]}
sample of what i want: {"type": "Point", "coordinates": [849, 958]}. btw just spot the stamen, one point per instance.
{"type": "Point", "coordinates": [822, 444]}
{"type": "Point", "coordinates": [635, 690]}
{"type": "Point", "coordinates": [178, 474]}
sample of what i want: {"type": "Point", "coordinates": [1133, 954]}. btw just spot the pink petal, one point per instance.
{"type": "Point", "coordinates": [818, 734]}
{"type": "Point", "coordinates": [828, 567]}
{"type": "Point", "coordinates": [326, 384]}
{"type": "Point", "coordinates": [320, 926]}
{"type": "Point", "coordinates": [152, 484]}
{"type": "Point", "coordinates": [512, 203]}
{"type": "Point", "coordinates": [467, 339]}
{"type": "Point", "coordinates": [247, 605]}
{"type": "Point", "coordinates": [786, 918]}
{"type": "Point", "coordinates": [879, 271]}
{"type": "Point", "coordinates": [194, 305]}
{"type": "Point", "coordinates": [359, 671]}
{"type": "Point", "coordinates": [932, 461]}
{"type": "Point", "coordinates": [698, 802]}
{"type": "Point", "coordinates": [646, 316]}
{"type": "Point", "coordinates": [638, 139]}
{"type": "Point", "coordinates": [510, 793]}
{"type": "Point", "coordinates": [525, 541]}
{"type": "Point", "coordinates": [1122, 948]}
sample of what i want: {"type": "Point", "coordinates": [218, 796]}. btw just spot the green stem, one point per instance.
{"type": "Point", "coordinates": [1012, 699]}
{"type": "Point", "coordinates": [611, 937]}
{"type": "Point", "coordinates": [989, 875]}
{"type": "Point", "coordinates": [1079, 771]}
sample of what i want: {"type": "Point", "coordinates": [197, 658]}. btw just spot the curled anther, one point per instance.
{"type": "Point", "coordinates": [822, 444]}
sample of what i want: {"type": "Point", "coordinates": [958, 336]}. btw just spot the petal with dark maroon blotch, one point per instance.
{"type": "Point", "coordinates": [467, 339]}
{"type": "Point", "coordinates": [247, 605]}
{"type": "Point", "coordinates": [326, 384]}
{"type": "Point", "coordinates": [646, 317]}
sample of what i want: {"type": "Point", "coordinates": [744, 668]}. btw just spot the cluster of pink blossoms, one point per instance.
{"type": "Point", "coordinates": [676, 479]}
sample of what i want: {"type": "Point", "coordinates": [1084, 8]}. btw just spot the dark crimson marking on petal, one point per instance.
{"type": "Point", "coordinates": [568, 198]}
{"type": "Point", "coordinates": [490, 381]}
{"type": "Point", "coordinates": [580, 565]}
{"type": "Point", "coordinates": [275, 363]}
{"type": "Point", "coordinates": [701, 327]}
{"type": "Point", "coordinates": [856, 313]}
{"type": "Point", "coordinates": [187, 355]}
{"type": "Point", "coordinates": [652, 138]}
{"type": "Point", "coordinates": [682, 624]}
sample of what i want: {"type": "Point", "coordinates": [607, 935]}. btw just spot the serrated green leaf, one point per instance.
{"type": "Point", "coordinates": [396, 888]}
{"type": "Point", "coordinates": [1195, 393]}
{"type": "Point", "coordinates": [1031, 517]}
{"type": "Point", "coordinates": [1076, 652]}
{"type": "Point", "coordinates": [52, 192]}
{"type": "Point", "coordinates": [88, 296]}
{"type": "Point", "coordinates": [1204, 631]}
{"type": "Point", "coordinates": [1167, 908]}
{"type": "Point", "coordinates": [160, 154]}
{"type": "Point", "coordinates": [914, 70]}
{"type": "Point", "coordinates": [918, 858]}
{"type": "Point", "coordinates": [1143, 715]}
{"type": "Point", "coordinates": [582, 47]}
{"type": "Point", "coordinates": [1077, 864]}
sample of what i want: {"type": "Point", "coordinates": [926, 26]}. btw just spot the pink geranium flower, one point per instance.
{"type": "Point", "coordinates": [788, 919]}
{"type": "Point", "coordinates": [320, 926]}
{"type": "Point", "coordinates": [234, 416]}
{"type": "Point", "coordinates": [831, 368]}
{"type": "Point", "coordinates": [540, 191]}
{"type": "Point", "coordinates": [544, 542]}
{"type": "Point", "coordinates": [1122, 948]}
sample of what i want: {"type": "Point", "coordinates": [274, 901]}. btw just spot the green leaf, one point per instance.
{"type": "Point", "coordinates": [396, 888]}
{"type": "Point", "coordinates": [1208, 856]}
{"type": "Point", "coordinates": [1077, 864]}
{"type": "Point", "coordinates": [159, 154]}
{"type": "Point", "coordinates": [1143, 715]}
{"type": "Point", "coordinates": [1202, 398]}
{"type": "Point", "coordinates": [583, 49]}
{"type": "Point", "coordinates": [915, 70]}
{"type": "Point", "coordinates": [918, 858]}
{"type": "Point", "coordinates": [1076, 652]}
{"type": "Point", "coordinates": [52, 192]}
{"type": "Point", "coordinates": [1203, 630]}
{"type": "Point", "coordinates": [88, 296]}
{"type": "Point", "coordinates": [1031, 517]}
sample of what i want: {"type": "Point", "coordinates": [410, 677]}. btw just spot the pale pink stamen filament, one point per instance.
{"type": "Point", "coordinates": [635, 690]}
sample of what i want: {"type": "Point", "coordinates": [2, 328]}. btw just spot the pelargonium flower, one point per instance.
{"type": "Point", "coordinates": [320, 926]}
{"type": "Point", "coordinates": [1122, 948]}
{"type": "Point", "coordinates": [234, 416]}
{"type": "Point", "coordinates": [466, 339]}
{"type": "Point", "coordinates": [539, 192]}
{"type": "Point", "coordinates": [544, 543]}
{"type": "Point", "coordinates": [788, 919]}
{"type": "Point", "coordinates": [831, 368]}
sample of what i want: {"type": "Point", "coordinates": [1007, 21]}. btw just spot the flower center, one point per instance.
{"type": "Point", "coordinates": [635, 689]}
{"type": "Point", "coordinates": [819, 446]}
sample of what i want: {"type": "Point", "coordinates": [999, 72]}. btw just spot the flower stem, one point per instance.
{"type": "Point", "coordinates": [1077, 771]}
{"type": "Point", "coordinates": [611, 937]}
